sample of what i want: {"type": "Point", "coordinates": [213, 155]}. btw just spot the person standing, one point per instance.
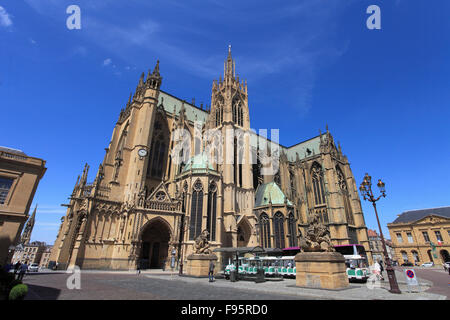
{"type": "Point", "coordinates": [211, 271]}
{"type": "Point", "coordinates": [22, 271]}
{"type": "Point", "coordinates": [381, 270]}
{"type": "Point", "coordinates": [16, 267]}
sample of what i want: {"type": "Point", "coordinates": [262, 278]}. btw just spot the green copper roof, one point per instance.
{"type": "Point", "coordinates": [198, 162]}
{"type": "Point", "coordinates": [304, 149]}
{"type": "Point", "coordinates": [270, 192]}
{"type": "Point", "coordinates": [172, 104]}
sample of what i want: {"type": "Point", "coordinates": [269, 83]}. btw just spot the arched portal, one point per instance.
{"type": "Point", "coordinates": [155, 237]}
{"type": "Point", "coordinates": [244, 232]}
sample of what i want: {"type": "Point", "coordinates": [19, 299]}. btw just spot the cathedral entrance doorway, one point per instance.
{"type": "Point", "coordinates": [155, 238]}
{"type": "Point", "coordinates": [243, 234]}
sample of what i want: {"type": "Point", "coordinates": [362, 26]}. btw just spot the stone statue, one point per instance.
{"type": "Point", "coordinates": [201, 245]}
{"type": "Point", "coordinates": [317, 237]}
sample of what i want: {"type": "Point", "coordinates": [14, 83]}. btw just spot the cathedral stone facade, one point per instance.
{"type": "Point", "coordinates": [173, 170]}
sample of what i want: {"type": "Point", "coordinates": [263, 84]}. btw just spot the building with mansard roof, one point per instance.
{"type": "Point", "coordinates": [422, 235]}
{"type": "Point", "coordinates": [172, 170]}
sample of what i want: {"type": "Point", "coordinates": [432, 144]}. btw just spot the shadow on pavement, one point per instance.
{"type": "Point", "coordinates": [41, 293]}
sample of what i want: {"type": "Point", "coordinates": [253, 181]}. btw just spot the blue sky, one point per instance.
{"type": "Point", "coordinates": [383, 93]}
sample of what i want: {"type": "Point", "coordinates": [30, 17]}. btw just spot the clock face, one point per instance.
{"type": "Point", "coordinates": [142, 152]}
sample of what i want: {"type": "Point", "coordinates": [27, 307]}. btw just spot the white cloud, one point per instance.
{"type": "Point", "coordinates": [107, 62]}
{"type": "Point", "coordinates": [5, 19]}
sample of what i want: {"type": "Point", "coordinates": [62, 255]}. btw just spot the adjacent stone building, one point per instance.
{"type": "Point", "coordinates": [173, 169]}
{"type": "Point", "coordinates": [376, 245]}
{"type": "Point", "coordinates": [45, 258]}
{"type": "Point", "coordinates": [29, 253]}
{"type": "Point", "coordinates": [19, 178]}
{"type": "Point", "coordinates": [423, 235]}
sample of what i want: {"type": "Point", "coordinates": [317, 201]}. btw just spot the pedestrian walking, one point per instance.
{"type": "Point", "coordinates": [381, 270]}
{"type": "Point", "coordinates": [138, 268]}
{"type": "Point", "coordinates": [22, 271]}
{"type": "Point", "coordinates": [211, 271]}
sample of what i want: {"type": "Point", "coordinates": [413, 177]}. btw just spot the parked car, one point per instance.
{"type": "Point", "coordinates": [427, 264]}
{"type": "Point", "coordinates": [407, 264]}
{"type": "Point", "coordinates": [34, 267]}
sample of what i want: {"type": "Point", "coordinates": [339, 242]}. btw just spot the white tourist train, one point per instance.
{"type": "Point", "coordinates": [284, 266]}
{"type": "Point", "coordinates": [272, 266]}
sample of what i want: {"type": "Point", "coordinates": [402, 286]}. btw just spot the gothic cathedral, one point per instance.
{"type": "Point", "coordinates": [173, 170]}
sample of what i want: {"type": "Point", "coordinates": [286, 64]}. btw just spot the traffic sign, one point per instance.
{"type": "Point", "coordinates": [411, 279]}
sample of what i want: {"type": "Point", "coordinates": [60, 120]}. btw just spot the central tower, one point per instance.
{"type": "Point", "coordinates": [229, 116]}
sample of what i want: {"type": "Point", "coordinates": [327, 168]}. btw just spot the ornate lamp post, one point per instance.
{"type": "Point", "coordinates": [366, 192]}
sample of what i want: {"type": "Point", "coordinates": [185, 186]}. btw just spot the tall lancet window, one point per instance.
{"type": "Point", "coordinates": [238, 157]}
{"type": "Point", "coordinates": [237, 112]}
{"type": "Point", "coordinates": [317, 180]}
{"type": "Point", "coordinates": [256, 168]}
{"type": "Point", "coordinates": [211, 214]}
{"type": "Point", "coordinates": [241, 117]}
{"type": "Point", "coordinates": [278, 225]}
{"type": "Point", "coordinates": [345, 196]}
{"type": "Point", "coordinates": [181, 166]}
{"type": "Point", "coordinates": [264, 225]}
{"type": "Point", "coordinates": [195, 226]}
{"type": "Point", "coordinates": [158, 152]}
{"type": "Point", "coordinates": [291, 230]}
{"type": "Point", "coordinates": [219, 110]}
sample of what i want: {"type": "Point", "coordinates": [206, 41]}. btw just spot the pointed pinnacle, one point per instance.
{"type": "Point", "coordinates": [156, 70]}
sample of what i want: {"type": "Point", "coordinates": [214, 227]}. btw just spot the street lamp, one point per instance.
{"type": "Point", "coordinates": [366, 192]}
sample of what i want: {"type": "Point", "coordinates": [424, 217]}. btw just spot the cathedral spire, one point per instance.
{"type": "Point", "coordinates": [26, 235]}
{"type": "Point", "coordinates": [84, 175]}
{"type": "Point", "coordinates": [229, 72]}
{"type": "Point", "coordinates": [153, 80]}
{"type": "Point", "coordinates": [156, 70]}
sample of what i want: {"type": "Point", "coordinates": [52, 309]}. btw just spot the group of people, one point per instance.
{"type": "Point", "coordinates": [19, 269]}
